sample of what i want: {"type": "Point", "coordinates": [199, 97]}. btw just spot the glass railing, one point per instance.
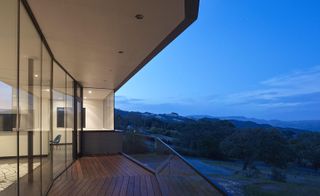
{"type": "Point", "coordinates": [173, 172]}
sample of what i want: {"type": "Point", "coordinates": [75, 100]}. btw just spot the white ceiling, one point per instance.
{"type": "Point", "coordinates": [86, 35]}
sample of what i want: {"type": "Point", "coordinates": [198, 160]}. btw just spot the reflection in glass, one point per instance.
{"type": "Point", "coordinates": [69, 119]}
{"type": "Point", "coordinates": [33, 149]}
{"type": "Point", "coordinates": [29, 106]}
{"type": "Point", "coordinates": [59, 133]}
{"type": "Point", "coordinates": [45, 121]}
{"type": "Point", "coordinates": [8, 97]}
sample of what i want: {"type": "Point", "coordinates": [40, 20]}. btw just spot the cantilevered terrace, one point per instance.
{"type": "Point", "coordinates": [61, 62]}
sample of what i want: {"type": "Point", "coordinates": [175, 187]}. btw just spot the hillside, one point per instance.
{"type": "Point", "coordinates": [310, 125]}
{"type": "Point", "coordinates": [140, 121]}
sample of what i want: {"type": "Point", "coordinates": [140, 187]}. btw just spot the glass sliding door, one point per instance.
{"type": "Point", "coordinates": [8, 97]}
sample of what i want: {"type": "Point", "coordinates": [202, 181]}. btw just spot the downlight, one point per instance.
{"type": "Point", "coordinates": [139, 16]}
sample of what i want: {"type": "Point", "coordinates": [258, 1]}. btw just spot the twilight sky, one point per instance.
{"type": "Point", "coordinates": [240, 58]}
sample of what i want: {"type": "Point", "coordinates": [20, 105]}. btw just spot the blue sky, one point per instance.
{"type": "Point", "coordinates": [240, 58]}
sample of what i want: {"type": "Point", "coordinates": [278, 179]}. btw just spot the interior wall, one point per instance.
{"type": "Point", "coordinates": [8, 144]}
{"type": "Point", "coordinates": [99, 113]}
{"type": "Point", "coordinates": [108, 104]}
{"type": "Point", "coordinates": [8, 139]}
{"type": "Point", "coordinates": [66, 133]}
{"type": "Point", "coordinates": [94, 114]}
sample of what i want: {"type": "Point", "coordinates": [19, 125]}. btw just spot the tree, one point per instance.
{"type": "Point", "coordinates": [275, 149]}
{"type": "Point", "coordinates": [307, 146]}
{"type": "Point", "coordinates": [244, 145]}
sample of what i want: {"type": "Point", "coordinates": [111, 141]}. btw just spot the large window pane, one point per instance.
{"type": "Point", "coordinates": [45, 121]}
{"type": "Point", "coordinates": [79, 118]}
{"type": "Point", "coordinates": [59, 120]}
{"type": "Point", "coordinates": [69, 119]}
{"type": "Point", "coordinates": [8, 97]}
{"type": "Point", "coordinates": [29, 106]}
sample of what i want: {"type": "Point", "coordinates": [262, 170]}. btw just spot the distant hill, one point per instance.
{"type": "Point", "coordinates": [141, 120]}
{"type": "Point", "coordinates": [310, 125]}
{"type": "Point", "coordinates": [171, 117]}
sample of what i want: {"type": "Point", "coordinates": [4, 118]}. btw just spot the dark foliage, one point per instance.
{"type": "Point", "coordinates": [222, 139]}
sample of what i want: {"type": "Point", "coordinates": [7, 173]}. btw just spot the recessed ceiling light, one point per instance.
{"type": "Point", "coordinates": [89, 92]}
{"type": "Point", "coordinates": [36, 75]}
{"type": "Point", "coordinates": [139, 16]}
{"type": "Point", "coordinates": [85, 97]}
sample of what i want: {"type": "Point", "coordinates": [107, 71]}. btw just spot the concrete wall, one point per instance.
{"type": "Point", "coordinates": [102, 142]}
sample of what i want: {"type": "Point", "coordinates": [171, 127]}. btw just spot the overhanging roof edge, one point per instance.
{"type": "Point", "coordinates": [191, 15]}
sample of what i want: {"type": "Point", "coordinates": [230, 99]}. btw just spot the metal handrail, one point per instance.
{"type": "Point", "coordinates": [213, 184]}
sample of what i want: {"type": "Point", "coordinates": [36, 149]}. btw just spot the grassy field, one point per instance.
{"type": "Point", "coordinates": [283, 189]}
{"type": "Point", "coordinates": [300, 181]}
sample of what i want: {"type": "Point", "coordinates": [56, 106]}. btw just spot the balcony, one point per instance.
{"type": "Point", "coordinates": [146, 166]}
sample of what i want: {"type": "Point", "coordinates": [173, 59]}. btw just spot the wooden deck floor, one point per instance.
{"type": "Point", "coordinates": [117, 175]}
{"type": "Point", "coordinates": [105, 175]}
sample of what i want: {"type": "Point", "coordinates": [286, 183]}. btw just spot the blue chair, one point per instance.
{"type": "Point", "coordinates": [56, 140]}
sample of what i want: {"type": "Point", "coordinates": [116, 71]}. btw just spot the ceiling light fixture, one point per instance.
{"type": "Point", "coordinates": [89, 92]}
{"type": "Point", "coordinates": [139, 16]}
{"type": "Point", "coordinates": [36, 75]}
